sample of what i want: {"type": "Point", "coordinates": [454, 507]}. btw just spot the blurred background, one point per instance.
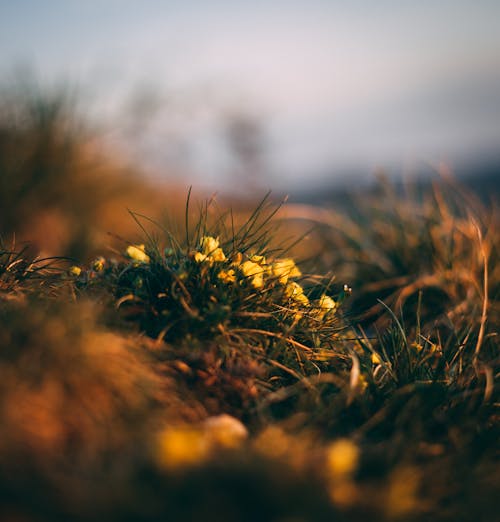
{"type": "Point", "coordinates": [235, 96]}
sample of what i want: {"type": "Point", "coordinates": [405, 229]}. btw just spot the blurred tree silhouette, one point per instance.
{"type": "Point", "coordinates": [58, 189]}
{"type": "Point", "coordinates": [246, 141]}
{"type": "Point", "coordinates": [38, 151]}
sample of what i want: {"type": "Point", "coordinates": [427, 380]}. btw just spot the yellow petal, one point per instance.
{"type": "Point", "coordinates": [209, 244]}
{"type": "Point", "coordinates": [283, 269]}
{"type": "Point", "coordinates": [327, 304]}
{"type": "Point", "coordinates": [199, 257]}
{"type": "Point", "coordinates": [295, 292]}
{"type": "Point", "coordinates": [217, 255]}
{"type": "Point", "coordinates": [137, 253]}
{"type": "Point", "coordinates": [249, 269]}
{"type": "Point", "coordinates": [258, 281]}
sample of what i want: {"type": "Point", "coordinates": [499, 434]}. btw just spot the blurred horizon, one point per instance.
{"type": "Point", "coordinates": [290, 94]}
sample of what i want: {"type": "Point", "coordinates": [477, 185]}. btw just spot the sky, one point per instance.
{"type": "Point", "coordinates": [332, 87]}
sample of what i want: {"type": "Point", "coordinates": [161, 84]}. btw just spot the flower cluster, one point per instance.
{"type": "Point", "coordinates": [255, 270]}
{"type": "Point", "coordinates": [261, 273]}
{"type": "Point", "coordinates": [207, 290]}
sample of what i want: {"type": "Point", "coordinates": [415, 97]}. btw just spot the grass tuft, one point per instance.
{"type": "Point", "coordinates": [208, 364]}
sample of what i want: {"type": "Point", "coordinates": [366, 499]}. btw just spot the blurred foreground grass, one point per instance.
{"type": "Point", "coordinates": [201, 372]}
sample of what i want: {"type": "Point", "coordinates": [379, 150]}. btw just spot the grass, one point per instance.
{"type": "Point", "coordinates": [208, 369]}
{"type": "Point", "coordinates": [206, 374]}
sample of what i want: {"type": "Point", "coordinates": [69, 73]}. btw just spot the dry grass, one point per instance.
{"type": "Point", "coordinates": [114, 374]}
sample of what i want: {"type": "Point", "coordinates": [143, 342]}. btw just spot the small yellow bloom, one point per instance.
{"type": "Point", "coordinates": [327, 304]}
{"type": "Point", "coordinates": [418, 347]}
{"type": "Point", "coordinates": [75, 271]}
{"type": "Point", "coordinates": [181, 446]}
{"type": "Point", "coordinates": [295, 292]}
{"type": "Point", "coordinates": [210, 251]}
{"type": "Point", "coordinates": [376, 358]}
{"type": "Point", "coordinates": [342, 457]}
{"type": "Point", "coordinates": [284, 269]}
{"type": "Point", "coordinates": [324, 306]}
{"type": "Point", "coordinates": [227, 276]}
{"type": "Point", "coordinates": [249, 269]}
{"type": "Point", "coordinates": [209, 244]}
{"type": "Point", "coordinates": [98, 264]}
{"type": "Point", "coordinates": [137, 253]}
{"type": "Point", "coordinates": [254, 272]}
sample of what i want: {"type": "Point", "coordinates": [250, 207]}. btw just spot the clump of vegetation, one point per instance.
{"type": "Point", "coordinates": [227, 307]}
{"type": "Point", "coordinates": [424, 267]}
{"type": "Point", "coordinates": [22, 273]}
{"type": "Point", "coordinates": [72, 394]}
{"type": "Point", "coordinates": [210, 365]}
{"type": "Point", "coordinates": [431, 250]}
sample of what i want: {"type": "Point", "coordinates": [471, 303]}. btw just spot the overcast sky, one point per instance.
{"type": "Point", "coordinates": [337, 85]}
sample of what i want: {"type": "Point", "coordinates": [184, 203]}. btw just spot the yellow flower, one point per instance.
{"type": "Point", "coordinates": [181, 446]}
{"type": "Point", "coordinates": [342, 457]}
{"type": "Point", "coordinates": [376, 358]}
{"type": "Point", "coordinates": [327, 304]}
{"type": "Point", "coordinates": [284, 269]}
{"type": "Point", "coordinates": [255, 272]}
{"type": "Point", "coordinates": [418, 347]}
{"type": "Point", "coordinates": [210, 250]}
{"type": "Point", "coordinates": [75, 271]}
{"type": "Point", "coordinates": [98, 264]}
{"type": "Point", "coordinates": [227, 276]}
{"type": "Point", "coordinates": [137, 253]}
{"type": "Point", "coordinates": [295, 292]}
{"type": "Point", "coordinates": [209, 244]}
{"type": "Point", "coordinates": [324, 306]}
{"type": "Point", "coordinates": [249, 268]}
